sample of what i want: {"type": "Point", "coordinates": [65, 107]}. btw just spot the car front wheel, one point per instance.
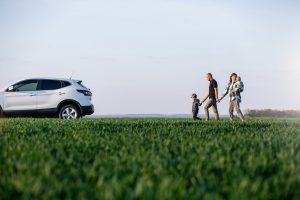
{"type": "Point", "coordinates": [69, 112]}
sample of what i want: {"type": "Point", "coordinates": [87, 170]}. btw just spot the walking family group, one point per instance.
{"type": "Point", "coordinates": [234, 89]}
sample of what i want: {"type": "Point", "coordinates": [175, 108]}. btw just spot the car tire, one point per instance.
{"type": "Point", "coordinates": [69, 112]}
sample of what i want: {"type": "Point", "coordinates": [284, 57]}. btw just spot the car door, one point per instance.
{"type": "Point", "coordinates": [21, 97]}
{"type": "Point", "coordinates": [50, 94]}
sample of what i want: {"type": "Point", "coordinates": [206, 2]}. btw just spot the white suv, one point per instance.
{"type": "Point", "coordinates": [63, 98]}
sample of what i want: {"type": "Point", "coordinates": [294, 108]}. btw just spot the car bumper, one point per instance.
{"type": "Point", "coordinates": [87, 110]}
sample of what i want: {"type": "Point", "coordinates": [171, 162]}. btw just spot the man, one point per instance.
{"type": "Point", "coordinates": [212, 95]}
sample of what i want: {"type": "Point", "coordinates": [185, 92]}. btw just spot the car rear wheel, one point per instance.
{"type": "Point", "coordinates": [69, 112]}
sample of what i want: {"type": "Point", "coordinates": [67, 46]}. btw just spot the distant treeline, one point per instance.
{"type": "Point", "coordinates": [272, 113]}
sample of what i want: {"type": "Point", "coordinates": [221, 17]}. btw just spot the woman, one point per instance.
{"type": "Point", "coordinates": [234, 92]}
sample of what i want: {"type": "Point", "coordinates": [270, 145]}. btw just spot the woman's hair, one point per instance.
{"type": "Point", "coordinates": [233, 74]}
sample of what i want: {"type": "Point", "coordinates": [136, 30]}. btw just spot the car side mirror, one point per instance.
{"type": "Point", "coordinates": [10, 89]}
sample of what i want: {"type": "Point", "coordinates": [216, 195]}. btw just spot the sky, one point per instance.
{"type": "Point", "coordinates": [148, 57]}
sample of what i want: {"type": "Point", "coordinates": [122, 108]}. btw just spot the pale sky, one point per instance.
{"type": "Point", "coordinates": [143, 57]}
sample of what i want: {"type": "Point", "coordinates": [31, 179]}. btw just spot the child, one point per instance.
{"type": "Point", "coordinates": [195, 108]}
{"type": "Point", "coordinates": [239, 84]}
{"type": "Point", "coordinates": [239, 87]}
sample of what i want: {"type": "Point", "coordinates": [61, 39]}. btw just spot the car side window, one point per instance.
{"type": "Point", "coordinates": [51, 85]}
{"type": "Point", "coordinates": [29, 85]}
{"type": "Point", "coordinates": [65, 83]}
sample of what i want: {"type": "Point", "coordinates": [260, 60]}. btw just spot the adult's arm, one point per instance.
{"type": "Point", "coordinates": [215, 86]}
{"type": "Point", "coordinates": [216, 93]}
{"type": "Point", "coordinates": [225, 92]}
{"type": "Point", "coordinates": [205, 97]}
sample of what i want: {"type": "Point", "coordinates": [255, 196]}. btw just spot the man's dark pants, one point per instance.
{"type": "Point", "coordinates": [211, 103]}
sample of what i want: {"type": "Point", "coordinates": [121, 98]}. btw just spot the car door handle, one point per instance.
{"type": "Point", "coordinates": [32, 95]}
{"type": "Point", "coordinates": [61, 93]}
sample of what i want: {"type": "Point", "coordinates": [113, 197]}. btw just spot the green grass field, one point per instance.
{"type": "Point", "coordinates": [149, 159]}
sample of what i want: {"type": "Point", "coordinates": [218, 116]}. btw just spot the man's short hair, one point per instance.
{"type": "Point", "coordinates": [209, 74]}
{"type": "Point", "coordinates": [194, 95]}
